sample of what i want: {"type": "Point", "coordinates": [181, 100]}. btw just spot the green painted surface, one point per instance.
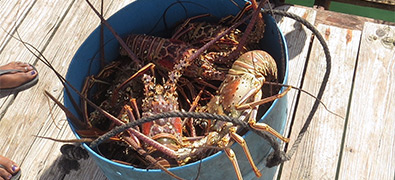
{"type": "Point", "coordinates": [352, 9]}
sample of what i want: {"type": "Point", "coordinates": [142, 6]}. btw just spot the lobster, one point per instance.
{"type": "Point", "coordinates": [227, 49]}
{"type": "Point", "coordinates": [161, 98]}
{"type": "Point", "coordinates": [174, 56]}
{"type": "Point", "coordinates": [199, 33]}
{"type": "Point", "coordinates": [107, 80]}
{"type": "Point", "coordinates": [166, 53]}
{"type": "Point", "coordinates": [236, 97]}
{"type": "Point", "coordinates": [212, 64]}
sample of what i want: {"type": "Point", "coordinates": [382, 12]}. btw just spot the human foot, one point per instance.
{"type": "Point", "coordinates": [8, 168]}
{"type": "Point", "coordinates": [14, 79]}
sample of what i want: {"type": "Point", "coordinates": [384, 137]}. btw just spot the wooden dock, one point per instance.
{"type": "Point", "coordinates": [361, 88]}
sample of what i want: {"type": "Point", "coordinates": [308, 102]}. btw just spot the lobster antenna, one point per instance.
{"type": "Point", "coordinates": [44, 60]}
{"type": "Point", "coordinates": [82, 140]}
{"type": "Point", "coordinates": [306, 92]}
{"type": "Point", "coordinates": [120, 40]}
{"type": "Point", "coordinates": [167, 9]}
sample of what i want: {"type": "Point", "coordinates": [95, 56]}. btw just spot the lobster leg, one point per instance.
{"type": "Point", "coordinates": [87, 85]}
{"type": "Point", "coordinates": [243, 144]}
{"type": "Point", "coordinates": [262, 101]}
{"type": "Point", "coordinates": [189, 121]}
{"type": "Point", "coordinates": [90, 82]}
{"type": "Point", "coordinates": [224, 142]}
{"type": "Point", "coordinates": [254, 106]}
{"type": "Point", "coordinates": [148, 157]}
{"type": "Point", "coordinates": [232, 157]}
{"type": "Point", "coordinates": [128, 110]}
{"type": "Point", "coordinates": [133, 103]}
{"type": "Point", "coordinates": [149, 141]}
{"type": "Point", "coordinates": [267, 128]}
{"type": "Point", "coordinates": [190, 88]}
{"type": "Point", "coordinates": [141, 136]}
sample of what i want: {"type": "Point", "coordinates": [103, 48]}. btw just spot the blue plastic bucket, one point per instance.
{"type": "Point", "coordinates": [141, 17]}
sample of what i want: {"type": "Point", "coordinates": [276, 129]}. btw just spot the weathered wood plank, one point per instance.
{"type": "Point", "coordinates": [369, 147]}
{"type": "Point", "coordinates": [29, 112]}
{"type": "Point", "coordinates": [57, 32]}
{"type": "Point", "coordinates": [44, 17]}
{"type": "Point", "coordinates": [21, 117]}
{"type": "Point", "coordinates": [43, 153]}
{"type": "Point", "coordinates": [12, 13]}
{"type": "Point", "coordinates": [298, 40]}
{"type": "Point", "coordinates": [89, 169]}
{"type": "Point", "coordinates": [50, 166]}
{"type": "Point", "coordinates": [318, 152]}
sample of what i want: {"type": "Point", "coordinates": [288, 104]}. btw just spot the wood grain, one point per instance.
{"type": "Point", "coordinates": [11, 15]}
{"type": "Point", "coordinates": [298, 39]}
{"type": "Point", "coordinates": [44, 16]}
{"type": "Point", "coordinates": [21, 117]}
{"type": "Point", "coordinates": [318, 152]}
{"type": "Point", "coordinates": [369, 147]}
{"type": "Point", "coordinates": [57, 28]}
{"type": "Point", "coordinates": [57, 33]}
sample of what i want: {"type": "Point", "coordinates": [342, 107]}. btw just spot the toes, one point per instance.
{"type": "Point", "coordinates": [29, 75]}
{"type": "Point", "coordinates": [16, 79]}
{"type": "Point", "coordinates": [24, 77]}
{"type": "Point", "coordinates": [24, 67]}
{"type": "Point", "coordinates": [33, 73]}
{"type": "Point", "coordinates": [8, 168]}
{"type": "Point", "coordinates": [5, 174]}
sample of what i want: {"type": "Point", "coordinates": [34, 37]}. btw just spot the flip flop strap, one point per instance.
{"type": "Point", "coordinates": [9, 71]}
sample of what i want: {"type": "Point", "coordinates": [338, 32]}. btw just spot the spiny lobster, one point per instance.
{"type": "Point", "coordinates": [209, 65]}
{"type": "Point", "coordinates": [162, 135]}
{"type": "Point", "coordinates": [166, 53]}
{"type": "Point", "coordinates": [224, 51]}
{"type": "Point", "coordinates": [173, 53]}
{"type": "Point", "coordinates": [237, 97]}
